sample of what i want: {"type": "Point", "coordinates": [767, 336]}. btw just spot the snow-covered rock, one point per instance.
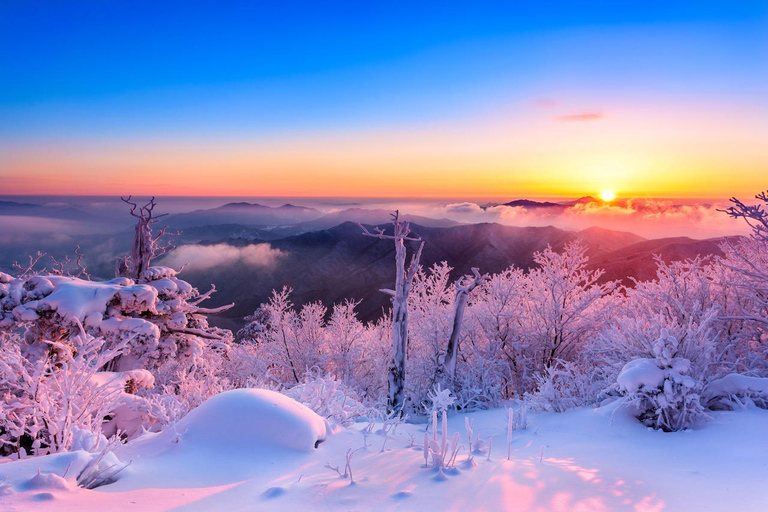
{"type": "Point", "coordinates": [253, 419]}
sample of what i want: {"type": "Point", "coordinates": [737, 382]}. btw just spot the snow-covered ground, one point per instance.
{"type": "Point", "coordinates": [248, 450]}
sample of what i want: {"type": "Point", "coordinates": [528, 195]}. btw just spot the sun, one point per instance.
{"type": "Point", "coordinates": [607, 195]}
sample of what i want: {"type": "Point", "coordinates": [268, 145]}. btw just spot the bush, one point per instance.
{"type": "Point", "coordinates": [661, 390]}
{"type": "Point", "coordinates": [562, 387]}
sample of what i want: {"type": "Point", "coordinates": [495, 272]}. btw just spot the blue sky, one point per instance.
{"type": "Point", "coordinates": [74, 62]}
{"type": "Point", "coordinates": [87, 72]}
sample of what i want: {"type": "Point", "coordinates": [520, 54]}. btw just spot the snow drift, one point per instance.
{"type": "Point", "coordinates": [253, 419]}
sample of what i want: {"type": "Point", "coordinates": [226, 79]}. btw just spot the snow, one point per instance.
{"type": "Point", "coordinates": [142, 379]}
{"type": "Point", "coordinates": [736, 384]}
{"type": "Point", "coordinates": [640, 373]}
{"type": "Point", "coordinates": [254, 419]}
{"type": "Point", "coordinates": [76, 298]}
{"type": "Point", "coordinates": [239, 451]}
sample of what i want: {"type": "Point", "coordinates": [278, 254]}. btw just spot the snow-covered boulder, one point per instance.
{"type": "Point", "coordinates": [251, 419]}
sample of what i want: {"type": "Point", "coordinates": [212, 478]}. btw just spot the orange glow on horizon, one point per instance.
{"type": "Point", "coordinates": [680, 152]}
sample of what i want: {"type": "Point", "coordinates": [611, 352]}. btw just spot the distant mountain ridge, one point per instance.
{"type": "Point", "coordinates": [333, 264]}
{"type": "Point", "coordinates": [530, 204]}
{"type": "Point", "coordinates": [326, 258]}
{"type": "Point", "coordinates": [247, 214]}
{"type": "Point", "coordinates": [12, 208]}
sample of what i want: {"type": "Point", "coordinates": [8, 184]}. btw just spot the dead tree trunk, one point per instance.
{"type": "Point", "coordinates": [403, 282]}
{"type": "Point", "coordinates": [446, 370]}
{"type": "Point", "coordinates": [145, 244]}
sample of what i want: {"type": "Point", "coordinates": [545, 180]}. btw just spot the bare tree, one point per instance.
{"type": "Point", "coordinates": [754, 215]}
{"type": "Point", "coordinates": [29, 270]}
{"type": "Point", "coordinates": [60, 266]}
{"type": "Point", "coordinates": [146, 246]}
{"type": "Point", "coordinates": [403, 283]}
{"type": "Point", "coordinates": [446, 371]}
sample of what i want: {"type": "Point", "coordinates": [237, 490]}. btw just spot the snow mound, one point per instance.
{"type": "Point", "coordinates": [252, 418]}
{"type": "Point", "coordinates": [47, 481]}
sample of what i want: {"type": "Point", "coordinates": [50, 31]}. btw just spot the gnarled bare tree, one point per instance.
{"type": "Point", "coordinates": [146, 245]}
{"type": "Point", "coordinates": [403, 283]}
{"type": "Point", "coordinates": [446, 370]}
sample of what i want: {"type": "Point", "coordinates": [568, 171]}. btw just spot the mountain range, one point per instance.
{"type": "Point", "coordinates": [334, 264]}
{"type": "Point", "coordinates": [323, 256]}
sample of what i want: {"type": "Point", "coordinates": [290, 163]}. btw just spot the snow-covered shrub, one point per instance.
{"type": "Point", "coordinates": [661, 390]}
{"type": "Point", "coordinates": [481, 377]}
{"type": "Point", "coordinates": [440, 451]}
{"type": "Point", "coordinates": [735, 391]}
{"type": "Point", "coordinates": [564, 386]}
{"type": "Point", "coordinates": [681, 301]}
{"type": "Point", "coordinates": [180, 388]}
{"type": "Point", "coordinates": [328, 397]}
{"type": "Point", "coordinates": [439, 399]}
{"type": "Point", "coordinates": [51, 397]}
{"type": "Point", "coordinates": [159, 315]}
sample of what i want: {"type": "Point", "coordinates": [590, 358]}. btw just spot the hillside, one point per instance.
{"type": "Point", "coordinates": [333, 264]}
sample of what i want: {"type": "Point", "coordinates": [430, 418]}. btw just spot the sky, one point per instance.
{"type": "Point", "coordinates": [415, 99]}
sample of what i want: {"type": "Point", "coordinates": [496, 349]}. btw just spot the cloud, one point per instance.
{"type": "Point", "coordinates": [203, 257]}
{"type": "Point", "coordinates": [23, 224]}
{"type": "Point", "coordinates": [461, 208]}
{"type": "Point", "coordinates": [650, 218]}
{"type": "Point", "coordinates": [579, 117]}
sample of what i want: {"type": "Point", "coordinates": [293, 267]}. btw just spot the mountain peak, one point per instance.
{"type": "Point", "coordinates": [241, 204]}
{"type": "Point", "coordinates": [585, 200]}
{"type": "Point", "coordinates": [529, 203]}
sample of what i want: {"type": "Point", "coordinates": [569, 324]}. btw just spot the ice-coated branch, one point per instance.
{"type": "Point", "coordinates": [401, 230]}
{"type": "Point", "coordinates": [30, 268]}
{"type": "Point", "coordinates": [754, 215]}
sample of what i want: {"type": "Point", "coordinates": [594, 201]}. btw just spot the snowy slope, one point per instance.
{"type": "Point", "coordinates": [587, 459]}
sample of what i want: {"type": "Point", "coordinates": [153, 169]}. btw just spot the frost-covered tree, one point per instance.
{"type": "Point", "coordinates": [403, 282]}
{"type": "Point", "coordinates": [283, 345]}
{"type": "Point", "coordinates": [273, 328]}
{"type": "Point", "coordinates": [81, 332]}
{"type": "Point", "coordinates": [345, 337]}
{"type": "Point", "coordinates": [498, 328]}
{"type": "Point", "coordinates": [562, 302]}
{"type": "Point", "coordinates": [749, 258]}
{"type": "Point", "coordinates": [429, 309]}
{"type": "Point", "coordinates": [680, 302]}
